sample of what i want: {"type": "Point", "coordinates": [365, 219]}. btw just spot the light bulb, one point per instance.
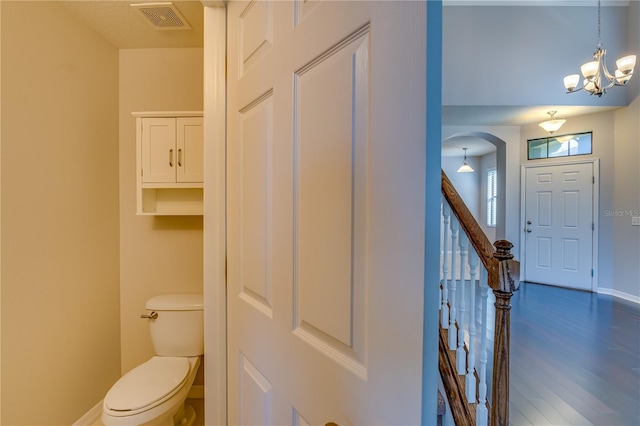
{"type": "Point", "coordinates": [589, 69]}
{"type": "Point", "coordinates": [622, 78]}
{"type": "Point", "coordinates": [571, 81]}
{"type": "Point", "coordinates": [589, 86]}
{"type": "Point", "coordinates": [626, 64]}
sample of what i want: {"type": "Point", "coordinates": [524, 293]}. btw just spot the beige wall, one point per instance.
{"type": "Point", "coordinates": [0, 218]}
{"type": "Point", "coordinates": [616, 138]}
{"type": "Point", "coordinates": [157, 254]}
{"type": "Point", "coordinates": [626, 175]}
{"type": "Point", "coordinates": [59, 240]}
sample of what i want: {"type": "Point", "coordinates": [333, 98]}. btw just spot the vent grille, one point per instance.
{"type": "Point", "coordinates": [162, 16]}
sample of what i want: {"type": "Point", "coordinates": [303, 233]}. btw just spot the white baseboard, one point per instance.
{"type": "Point", "coordinates": [91, 417]}
{"type": "Point", "coordinates": [626, 296]}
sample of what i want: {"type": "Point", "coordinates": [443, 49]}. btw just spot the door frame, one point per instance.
{"type": "Point", "coordinates": [215, 222]}
{"type": "Point", "coordinates": [595, 162]}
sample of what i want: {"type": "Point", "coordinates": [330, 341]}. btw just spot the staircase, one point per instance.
{"type": "Point", "coordinates": [470, 329]}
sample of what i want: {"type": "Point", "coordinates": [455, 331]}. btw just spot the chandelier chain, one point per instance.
{"type": "Point", "coordinates": [599, 39]}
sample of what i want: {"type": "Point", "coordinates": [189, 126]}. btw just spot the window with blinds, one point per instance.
{"type": "Point", "coordinates": [492, 191]}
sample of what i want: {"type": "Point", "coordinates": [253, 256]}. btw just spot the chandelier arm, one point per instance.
{"type": "Point", "coordinates": [612, 78]}
{"type": "Point", "coordinates": [610, 85]}
{"type": "Point", "coordinates": [609, 76]}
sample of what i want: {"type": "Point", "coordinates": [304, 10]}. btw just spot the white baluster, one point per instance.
{"type": "Point", "coordinates": [482, 415]}
{"type": "Point", "coordinates": [452, 286]}
{"type": "Point", "coordinates": [470, 382]}
{"type": "Point", "coordinates": [444, 310]}
{"type": "Point", "coordinates": [461, 354]}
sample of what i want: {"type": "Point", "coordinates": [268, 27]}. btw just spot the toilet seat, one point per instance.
{"type": "Point", "coordinates": [147, 385]}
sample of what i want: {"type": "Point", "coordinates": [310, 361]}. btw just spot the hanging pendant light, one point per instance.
{"type": "Point", "coordinates": [465, 168]}
{"type": "Point", "coordinates": [552, 124]}
{"type": "Point", "coordinates": [597, 79]}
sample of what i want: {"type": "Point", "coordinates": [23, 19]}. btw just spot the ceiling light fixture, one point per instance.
{"type": "Point", "coordinates": [465, 168]}
{"type": "Point", "coordinates": [553, 123]}
{"type": "Point", "coordinates": [597, 79]}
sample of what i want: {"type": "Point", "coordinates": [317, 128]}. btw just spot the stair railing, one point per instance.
{"type": "Point", "coordinates": [470, 266]}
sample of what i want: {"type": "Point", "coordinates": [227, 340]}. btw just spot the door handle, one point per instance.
{"type": "Point", "coordinates": [528, 229]}
{"type": "Point", "coordinates": [528, 222]}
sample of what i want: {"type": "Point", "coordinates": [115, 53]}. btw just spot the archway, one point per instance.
{"type": "Point", "coordinates": [501, 168]}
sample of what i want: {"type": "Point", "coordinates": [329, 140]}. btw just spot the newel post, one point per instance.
{"type": "Point", "coordinates": [508, 279]}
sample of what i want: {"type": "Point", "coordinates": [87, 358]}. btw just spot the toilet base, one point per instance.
{"type": "Point", "coordinates": [186, 417]}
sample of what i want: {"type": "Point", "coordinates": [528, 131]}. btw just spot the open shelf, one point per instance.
{"type": "Point", "coordinates": [171, 201]}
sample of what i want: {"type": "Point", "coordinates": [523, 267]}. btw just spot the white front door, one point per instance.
{"type": "Point", "coordinates": [325, 216]}
{"type": "Point", "coordinates": [559, 224]}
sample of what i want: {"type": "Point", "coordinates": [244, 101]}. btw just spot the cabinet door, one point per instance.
{"type": "Point", "coordinates": [159, 150]}
{"type": "Point", "coordinates": [189, 145]}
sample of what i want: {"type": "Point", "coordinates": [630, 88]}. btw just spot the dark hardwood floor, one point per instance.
{"type": "Point", "coordinates": [575, 358]}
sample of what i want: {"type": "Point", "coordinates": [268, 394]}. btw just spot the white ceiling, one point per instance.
{"type": "Point", "coordinates": [476, 147]}
{"type": "Point", "coordinates": [124, 27]}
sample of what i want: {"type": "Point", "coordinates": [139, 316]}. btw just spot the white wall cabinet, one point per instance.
{"type": "Point", "coordinates": [169, 163]}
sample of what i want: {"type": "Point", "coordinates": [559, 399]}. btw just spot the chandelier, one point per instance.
{"type": "Point", "coordinates": [553, 123]}
{"type": "Point", "coordinates": [597, 79]}
{"type": "Point", "coordinates": [466, 167]}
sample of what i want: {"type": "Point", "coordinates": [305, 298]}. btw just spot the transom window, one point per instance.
{"type": "Point", "coordinates": [559, 146]}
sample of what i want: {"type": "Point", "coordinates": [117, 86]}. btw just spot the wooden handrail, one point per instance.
{"type": "Point", "coordinates": [503, 278]}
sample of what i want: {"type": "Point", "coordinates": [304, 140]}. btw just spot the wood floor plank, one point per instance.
{"type": "Point", "coordinates": [580, 411]}
{"type": "Point", "coordinates": [575, 358]}
{"type": "Point", "coordinates": [516, 418]}
{"type": "Point", "coordinates": [528, 410]}
{"type": "Point", "coordinates": [556, 410]}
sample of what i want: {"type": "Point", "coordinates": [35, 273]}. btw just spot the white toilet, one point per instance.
{"type": "Point", "coordinates": [154, 392]}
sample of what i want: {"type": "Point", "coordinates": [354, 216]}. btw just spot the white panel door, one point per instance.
{"type": "Point", "coordinates": [325, 211]}
{"type": "Point", "coordinates": [559, 225]}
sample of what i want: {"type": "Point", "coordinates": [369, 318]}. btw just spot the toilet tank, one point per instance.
{"type": "Point", "coordinates": [178, 330]}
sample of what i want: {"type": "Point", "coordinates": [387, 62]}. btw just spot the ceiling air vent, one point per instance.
{"type": "Point", "coordinates": [162, 16]}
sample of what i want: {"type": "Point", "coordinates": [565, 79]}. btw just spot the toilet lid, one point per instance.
{"type": "Point", "coordinates": [147, 384]}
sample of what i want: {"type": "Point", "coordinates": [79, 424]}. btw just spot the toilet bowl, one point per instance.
{"type": "Point", "coordinates": [154, 392]}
